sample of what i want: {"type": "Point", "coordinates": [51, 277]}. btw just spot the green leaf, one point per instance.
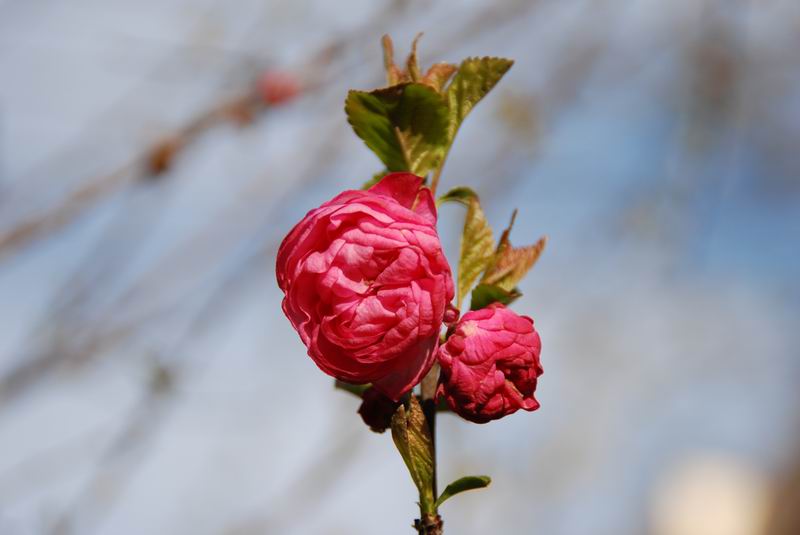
{"type": "Point", "coordinates": [413, 440]}
{"type": "Point", "coordinates": [485, 294]}
{"type": "Point", "coordinates": [461, 485]}
{"type": "Point", "coordinates": [461, 194]}
{"type": "Point", "coordinates": [404, 125]}
{"type": "Point", "coordinates": [510, 264]}
{"type": "Point", "coordinates": [477, 242]}
{"type": "Point", "coordinates": [474, 79]}
{"type": "Point", "coordinates": [356, 390]}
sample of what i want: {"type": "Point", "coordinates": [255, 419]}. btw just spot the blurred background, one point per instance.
{"type": "Point", "coordinates": [149, 382]}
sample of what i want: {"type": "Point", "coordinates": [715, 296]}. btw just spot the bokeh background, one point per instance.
{"type": "Point", "coordinates": [150, 384]}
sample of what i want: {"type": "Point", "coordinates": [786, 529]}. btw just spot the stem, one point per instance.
{"type": "Point", "coordinates": [436, 176]}
{"type": "Point", "coordinates": [430, 524]}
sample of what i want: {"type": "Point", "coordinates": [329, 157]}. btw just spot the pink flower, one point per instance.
{"type": "Point", "coordinates": [366, 284]}
{"type": "Point", "coordinates": [490, 364]}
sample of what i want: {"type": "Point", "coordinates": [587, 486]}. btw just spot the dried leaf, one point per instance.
{"type": "Point", "coordinates": [438, 75]}
{"type": "Point", "coordinates": [412, 63]}
{"type": "Point", "coordinates": [394, 75]}
{"type": "Point", "coordinates": [510, 264]}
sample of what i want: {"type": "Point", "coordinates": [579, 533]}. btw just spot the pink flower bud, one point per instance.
{"type": "Point", "coordinates": [366, 284]}
{"type": "Point", "coordinates": [278, 87]}
{"type": "Point", "coordinates": [490, 364]}
{"type": "Point", "coordinates": [451, 315]}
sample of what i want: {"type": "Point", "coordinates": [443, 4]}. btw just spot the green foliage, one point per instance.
{"type": "Point", "coordinates": [461, 485]}
{"type": "Point", "coordinates": [411, 124]}
{"type": "Point", "coordinates": [474, 79]}
{"type": "Point", "coordinates": [477, 241]}
{"type": "Point", "coordinates": [460, 194]}
{"type": "Point", "coordinates": [485, 294]}
{"type": "Point", "coordinates": [405, 125]}
{"type": "Point", "coordinates": [413, 440]}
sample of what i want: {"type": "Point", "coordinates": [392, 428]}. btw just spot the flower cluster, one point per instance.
{"type": "Point", "coordinates": [367, 287]}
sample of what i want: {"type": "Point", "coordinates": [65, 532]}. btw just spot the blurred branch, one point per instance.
{"type": "Point", "coordinates": [152, 162]}
{"type": "Point", "coordinates": [157, 159]}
